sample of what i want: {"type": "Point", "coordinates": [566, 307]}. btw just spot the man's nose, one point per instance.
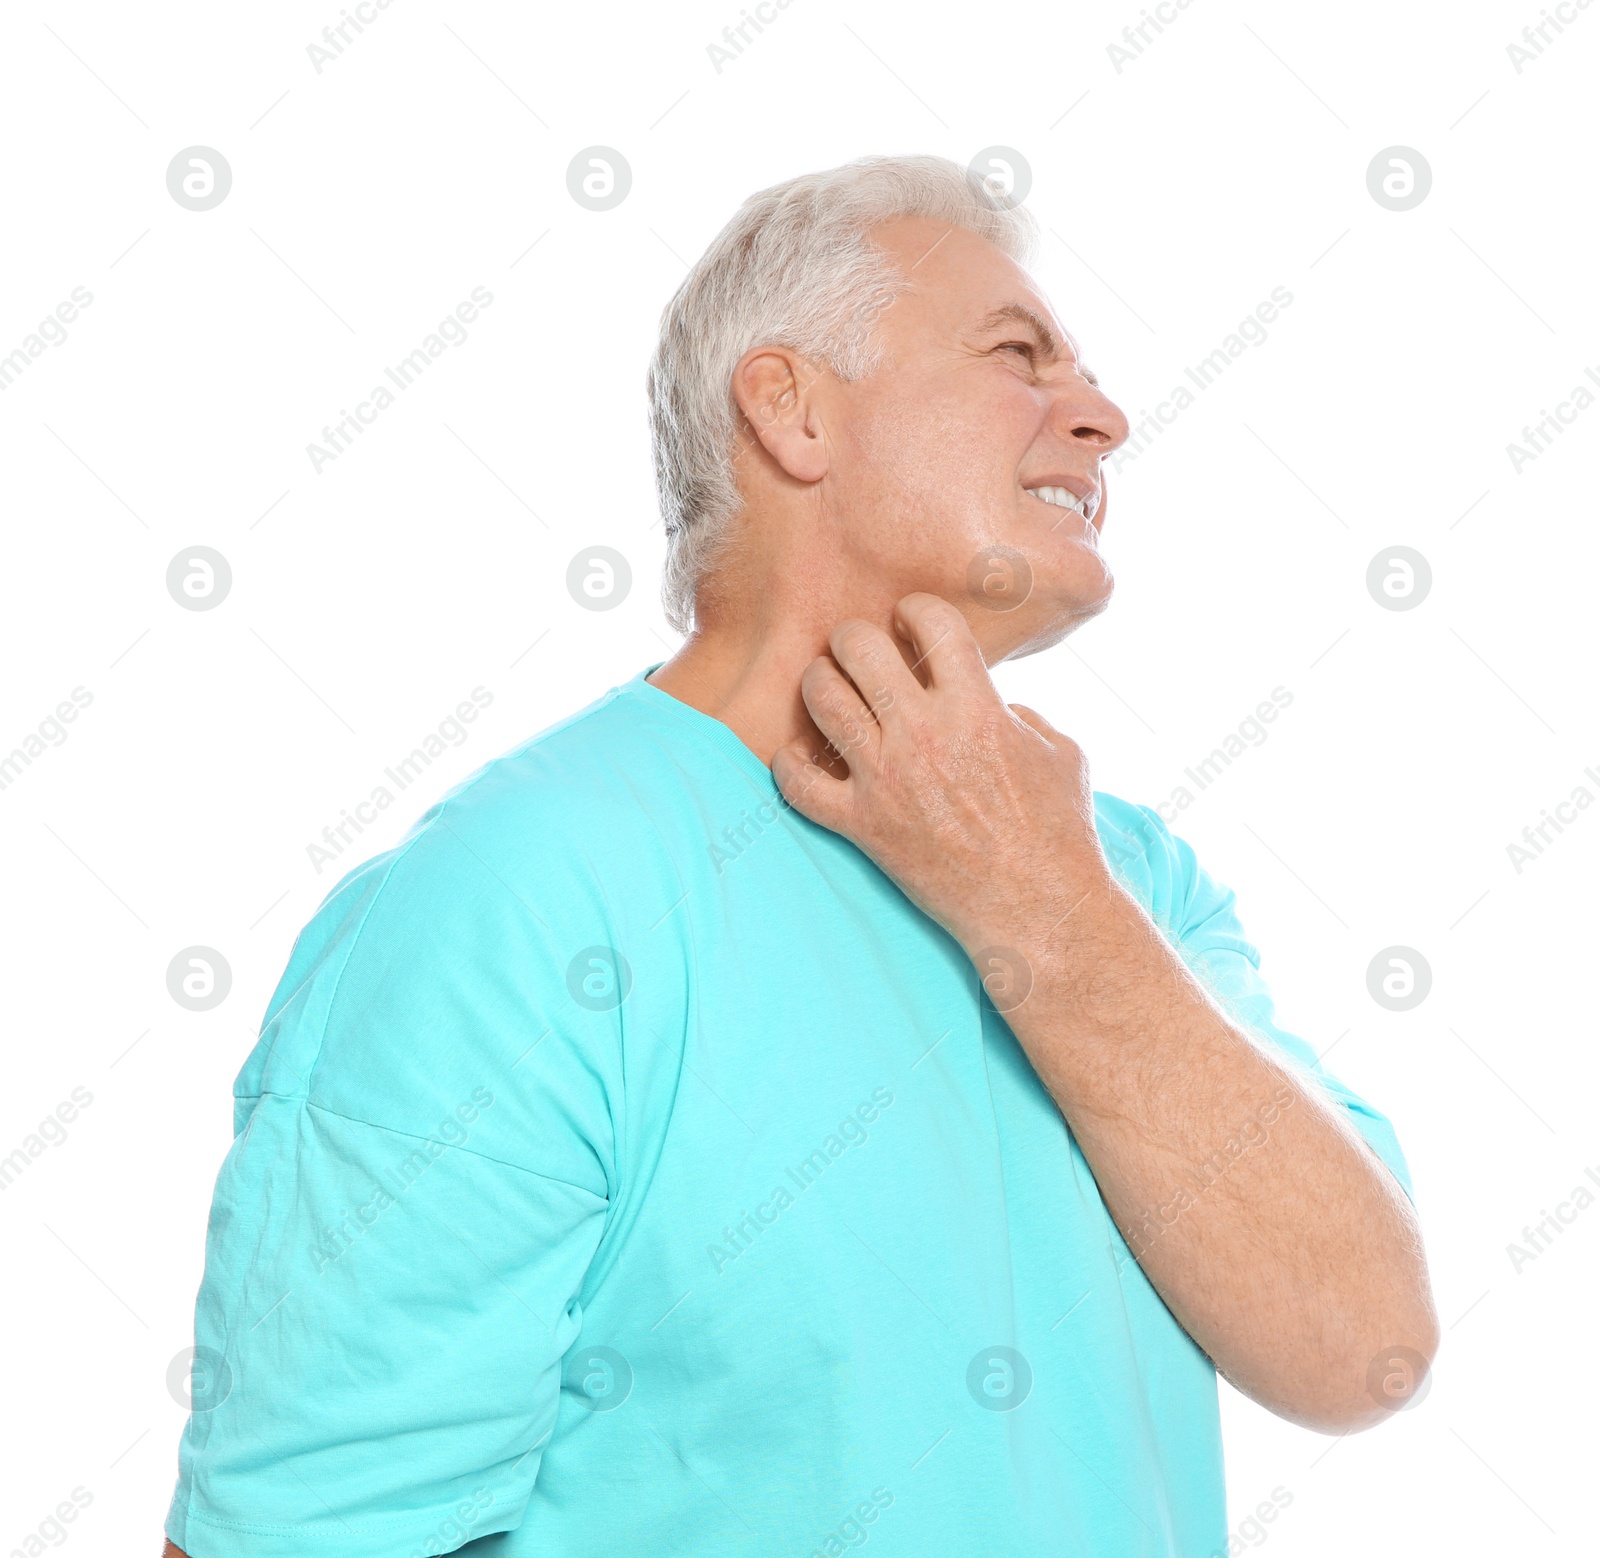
{"type": "Point", "coordinates": [1084, 416]}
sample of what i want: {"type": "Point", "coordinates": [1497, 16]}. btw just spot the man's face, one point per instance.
{"type": "Point", "coordinates": [936, 460]}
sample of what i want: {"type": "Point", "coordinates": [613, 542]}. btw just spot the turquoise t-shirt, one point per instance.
{"type": "Point", "coordinates": [627, 1166]}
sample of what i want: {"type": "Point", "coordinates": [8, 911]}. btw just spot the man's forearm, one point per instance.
{"type": "Point", "coordinates": [1275, 1235]}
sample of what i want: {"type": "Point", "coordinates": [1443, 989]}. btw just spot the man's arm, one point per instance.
{"type": "Point", "coordinates": [169, 1551]}
{"type": "Point", "coordinates": [1275, 1234]}
{"type": "Point", "coordinates": [396, 1120]}
{"type": "Point", "coordinates": [1299, 1266]}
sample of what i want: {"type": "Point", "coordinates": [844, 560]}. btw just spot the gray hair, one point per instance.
{"type": "Point", "coordinates": [795, 267]}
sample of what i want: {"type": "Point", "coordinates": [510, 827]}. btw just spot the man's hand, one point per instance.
{"type": "Point", "coordinates": [974, 807]}
{"type": "Point", "coordinates": [1299, 1266]}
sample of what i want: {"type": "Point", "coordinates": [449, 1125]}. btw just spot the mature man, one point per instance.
{"type": "Point", "coordinates": [782, 1105]}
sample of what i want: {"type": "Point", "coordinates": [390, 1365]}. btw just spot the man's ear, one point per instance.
{"type": "Point", "coordinates": [773, 387]}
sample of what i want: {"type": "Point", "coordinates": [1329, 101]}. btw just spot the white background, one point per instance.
{"type": "Point", "coordinates": [430, 157]}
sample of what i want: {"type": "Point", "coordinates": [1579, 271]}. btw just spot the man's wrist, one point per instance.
{"type": "Point", "coordinates": [1057, 941]}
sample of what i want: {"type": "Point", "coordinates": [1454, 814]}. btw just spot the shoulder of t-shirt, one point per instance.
{"type": "Point", "coordinates": [553, 795]}
{"type": "Point", "coordinates": [1158, 869]}
{"type": "Point", "coordinates": [516, 854]}
{"type": "Point", "coordinates": [1163, 872]}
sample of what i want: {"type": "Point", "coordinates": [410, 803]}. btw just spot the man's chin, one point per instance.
{"type": "Point", "coordinates": [1045, 620]}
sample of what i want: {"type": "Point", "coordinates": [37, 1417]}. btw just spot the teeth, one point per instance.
{"type": "Point", "coordinates": [1059, 497]}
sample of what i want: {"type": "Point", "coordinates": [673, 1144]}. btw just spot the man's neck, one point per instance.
{"type": "Point", "coordinates": [750, 681]}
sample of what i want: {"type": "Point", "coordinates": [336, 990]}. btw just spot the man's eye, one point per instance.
{"type": "Point", "coordinates": [1025, 347]}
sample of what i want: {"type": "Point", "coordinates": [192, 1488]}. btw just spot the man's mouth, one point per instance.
{"type": "Point", "coordinates": [1060, 497]}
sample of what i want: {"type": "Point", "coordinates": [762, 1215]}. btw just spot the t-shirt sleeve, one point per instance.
{"type": "Point", "coordinates": [1204, 927]}
{"type": "Point", "coordinates": [401, 1230]}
